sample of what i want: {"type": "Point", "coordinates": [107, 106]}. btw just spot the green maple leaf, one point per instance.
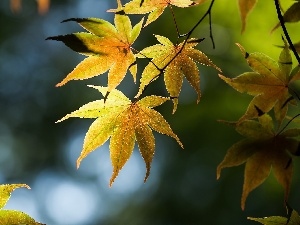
{"type": "Point", "coordinates": [13, 216]}
{"type": "Point", "coordinates": [279, 220]}
{"type": "Point", "coordinates": [292, 14]}
{"type": "Point", "coordinates": [108, 47]}
{"type": "Point", "coordinates": [124, 122]}
{"type": "Point", "coordinates": [268, 83]}
{"type": "Point", "coordinates": [262, 150]}
{"type": "Point", "coordinates": [154, 7]}
{"type": "Point", "coordinates": [175, 62]}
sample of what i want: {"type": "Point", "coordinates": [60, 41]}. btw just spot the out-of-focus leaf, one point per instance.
{"type": "Point", "coordinates": [43, 5]}
{"type": "Point", "coordinates": [278, 220]}
{"type": "Point", "coordinates": [245, 6]}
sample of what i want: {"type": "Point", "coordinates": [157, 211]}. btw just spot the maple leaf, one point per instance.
{"type": "Point", "coordinates": [292, 15]}
{"type": "Point", "coordinates": [124, 122]}
{"type": "Point", "coordinates": [262, 150]}
{"type": "Point", "coordinates": [12, 216]}
{"type": "Point", "coordinates": [154, 7]}
{"type": "Point", "coordinates": [175, 62]}
{"type": "Point", "coordinates": [108, 47]}
{"type": "Point", "coordinates": [245, 6]}
{"type": "Point", "coordinates": [279, 220]}
{"type": "Point", "coordinates": [268, 83]}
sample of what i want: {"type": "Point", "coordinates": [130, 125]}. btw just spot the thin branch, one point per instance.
{"type": "Point", "coordinates": [208, 13]}
{"type": "Point", "coordinates": [288, 123]}
{"type": "Point", "coordinates": [287, 36]}
{"type": "Point", "coordinates": [174, 19]}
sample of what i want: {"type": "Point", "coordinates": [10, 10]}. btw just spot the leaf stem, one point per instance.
{"type": "Point", "coordinates": [287, 36]}
{"type": "Point", "coordinates": [175, 22]}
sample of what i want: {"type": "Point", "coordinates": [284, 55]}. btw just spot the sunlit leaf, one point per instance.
{"type": "Point", "coordinates": [262, 150]}
{"type": "Point", "coordinates": [124, 122]}
{"type": "Point", "coordinates": [154, 7]}
{"type": "Point", "coordinates": [268, 83]}
{"type": "Point", "coordinates": [175, 62]}
{"type": "Point", "coordinates": [12, 216]}
{"type": "Point", "coordinates": [108, 47]}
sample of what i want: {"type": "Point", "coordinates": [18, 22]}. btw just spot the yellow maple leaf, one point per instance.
{"type": "Point", "coordinates": [124, 122]}
{"type": "Point", "coordinates": [108, 47]}
{"type": "Point", "coordinates": [154, 7]}
{"type": "Point", "coordinates": [13, 216]}
{"type": "Point", "coordinates": [175, 62]}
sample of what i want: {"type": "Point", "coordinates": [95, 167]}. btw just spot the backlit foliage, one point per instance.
{"type": "Point", "coordinates": [13, 216]}
{"type": "Point", "coordinates": [267, 146]}
{"type": "Point", "coordinates": [107, 48]}
{"type": "Point", "coordinates": [125, 122]}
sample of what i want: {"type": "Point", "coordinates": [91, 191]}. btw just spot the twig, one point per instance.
{"type": "Point", "coordinates": [287, 36]}
{"type": "Point", "coordinates": [288, 123]}
{"type": "Point", "coordinates": [208, 12]}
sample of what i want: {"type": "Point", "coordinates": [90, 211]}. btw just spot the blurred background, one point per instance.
{"type": "Point", "coordinates": [182, 188]}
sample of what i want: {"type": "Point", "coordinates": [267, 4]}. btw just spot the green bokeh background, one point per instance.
{"type": "Point", "coordinates": [183, 189]}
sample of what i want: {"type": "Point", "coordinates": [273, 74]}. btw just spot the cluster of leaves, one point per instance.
{"type": "Point", "coordinates": [13, 216]}
{"type": "Point", "coordinates": [266, 145]}
{"type": "Point", "coordinates": [108, 47]}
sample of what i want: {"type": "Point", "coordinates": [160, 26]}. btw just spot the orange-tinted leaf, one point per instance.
{"type": "Point", "coordinates": [154, 7]}
{"type": "Point", "coordinates": [262, 150]}
{"type": "Point", "coordinates": [124, 122]}
{"type": "Point", "coordinates": [108, 47]}
{"type": "Point", "coordinates": [177, 61]}
{"type": "Point", "coordinates": [269, 84]}
{"type": "Point", "coordinates": [245, 6]}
